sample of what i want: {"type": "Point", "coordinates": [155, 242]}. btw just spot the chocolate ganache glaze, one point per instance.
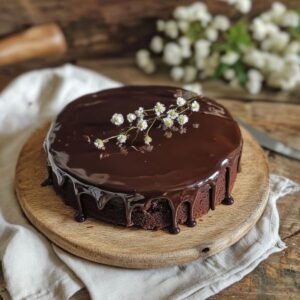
{"type": "Point", "coordinates": [176, 180]}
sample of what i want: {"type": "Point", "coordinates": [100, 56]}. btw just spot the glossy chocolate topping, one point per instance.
{"type": "Point", "coordinates": [183, 162]}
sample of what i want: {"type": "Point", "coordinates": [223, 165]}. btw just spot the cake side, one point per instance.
{"type": "Point", "coordinates": [153, 214]}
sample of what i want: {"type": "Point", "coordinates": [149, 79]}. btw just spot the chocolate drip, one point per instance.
{"type": "Point", "coordinates": [212, 197]}
{"type": "Point", "coordinates": [103, 199]}
{"type": "Point", "coordinates": [79, 215]}
{"type": "Point", "coordinates": [48, 180]}
{"type": "Point", "coordinates": [228, 200]}
{"type": "Point", "coordinates": [191, 222]}
{"type": "Point", "coordinates": [131, 202]}
{"type": "Point", "coordinates": [174, 228]}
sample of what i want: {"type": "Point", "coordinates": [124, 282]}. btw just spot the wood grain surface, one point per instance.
{"type": "Point", "coordinates": [39, 41]}
{"type": "Point", "coordinates": [104, 243]}
{"type": "Point", "coordinates": [278, 277]}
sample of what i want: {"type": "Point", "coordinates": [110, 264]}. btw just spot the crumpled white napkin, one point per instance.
{"type": "Point", "coordinates": [36, 269]}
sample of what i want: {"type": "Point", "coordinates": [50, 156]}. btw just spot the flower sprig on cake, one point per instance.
{"type": "Point", "coordinates": [141, 121]}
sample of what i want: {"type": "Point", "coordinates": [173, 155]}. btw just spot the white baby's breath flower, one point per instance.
{"type": "Point", "coordinates": [99, 144]}
{"type": "Point", "coordinates": [122, 138]}
{"type": "Point", "coordinates": [184, 41]}
{"type": "Point", "coordinates": [168, 122]}
{"type": "Point", "coordinates": [182, 119]}
{"type": "Point", "coordinates": [183, 26]}
{"type": "Point", "coordinates": [177, 73]}
{"type": "Point", "coordinates": [147, 139]}
{"type": "Point", "coordinates": [142, 124]}
{"type": "Point", "coordinates": [172, 113]}
{"type": "Point", "coordinates": [200, 13]}
{"type": "Point", "coordinates": [289, 19]}
{"type": "Point", "coordinates": [202, 48]}
{"type": "Point", "coordinates": [160, 25]}
{"type": "Point", "coordinates": [181, 13]}
{"type": "Point", "coordinates": [229, 74]}
{"type": "Point", "coordinates": [221, 22]}
{"type": "Point", "coordinates": [255, 75]}
{"type": "Point", "coordinates": [292, 58]}
{"type": "Point", "coordinates": [171, 29]}
{"type": "Point", "coordinates": [230, 58]}
{"type": "Point", "coordinates": [200, 62]}
{"type": "Point", "coordinates": [211, 34]}
{"type": "Point", "coordinates": [172, 54]}
{"type": "Point", "coordinates": [259, 29]}
{"type": "Point", "coordinates": [185, 45]}
{"type": "Point", "coordinates": [180, 101]}
{"type": "Point", "coordinates": [254, 83]}
{"type": "Point", "coordinates": [266, 16]}
{"type": "Point", "coordinates": [194, 87]}
{"type": "Point", "coordinates": [293, 47]}
{"type": "Point", "coordinates": [287, 78]}
{"type": "Point", "coordinates": [144, 61]}
{"type": "Point", "coordinates": [278, 9]}
{"type": "Point", "coordinates": [276, 42]}
{"type": "Point", "coordinates": [273, 63]}
{"type": "Point", "coordinates": [197, 7]}
{"type": "Point", "coordinates": [195, 106]}
{"type": "Point", "coordinates": [253, 86]}
{"type": "Point", "coordinates": [159, 108]}
{"type": "Point", "coordinates": [142, 57]}
{"type": "Point", "coordinates": [117, 119]}
{"type": "Point", "coordinates": [190, 73]}
{"type": "Point", "coordinates": [157, 44]}
{"type": "Point", "coordinates": [272, 29]}
{"type": "Point", "coordinates": [210, 65]}
{"type": "Point", "coordinates": [186, 51]}
{"type": "Point", "coordinates": [131, 117]}
{"type": "Point", "coordinates": [139, 112]}
{"type": "Point", "coordinates": [149, 68]}
{"type": "Point", "coordinates": [255, 58]}
{"type": "Point", "coordinates": [244, 6]}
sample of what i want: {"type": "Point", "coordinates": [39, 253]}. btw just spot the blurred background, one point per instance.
{"type": "Point", "coordinates": [105, 35]}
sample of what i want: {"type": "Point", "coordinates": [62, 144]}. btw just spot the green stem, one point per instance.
{"type": "Point", "coordinates": [147, 132]}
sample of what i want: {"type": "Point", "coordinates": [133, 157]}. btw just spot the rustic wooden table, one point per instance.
{"type": "Point", "coordinates": [277, 114]}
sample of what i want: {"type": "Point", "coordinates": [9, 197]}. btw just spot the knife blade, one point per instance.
{"type": "Point", "coordinates": [269, 143]}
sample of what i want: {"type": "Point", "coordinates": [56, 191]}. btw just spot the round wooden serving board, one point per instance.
{"type": "Point", "coordinates": [137, 248]}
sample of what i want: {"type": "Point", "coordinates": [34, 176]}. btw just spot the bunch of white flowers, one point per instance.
{"type": "Point", "coordinates": [243, 6]}
{"type": "Point", "coordinates": [196, 45]}
{"type": "Point", "coordinates": [141, 121]}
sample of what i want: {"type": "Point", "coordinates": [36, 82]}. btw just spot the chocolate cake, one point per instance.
{"type": "Point", "coordinates": [183, 173]}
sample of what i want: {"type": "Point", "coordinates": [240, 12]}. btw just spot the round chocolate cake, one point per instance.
{"type": "Point", "coordinates": [171, 170]}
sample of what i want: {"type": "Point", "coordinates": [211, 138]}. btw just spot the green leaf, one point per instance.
{"type": "Point", "coordinates": [238, 37]}
{"type": "Point", "coordinates": [295, 31]}
{"type": "Point", "coordinates": [241, 72]}
{"type": "Point", "coordinates": [220, 47]}
{"type": "Point", "coordinates": [195, 31]}
{"type": "Point", "coordinates": [221, 68]}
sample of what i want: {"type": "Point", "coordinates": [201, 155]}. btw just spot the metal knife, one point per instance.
{"type": "Point", "coordinates": [269, 143]}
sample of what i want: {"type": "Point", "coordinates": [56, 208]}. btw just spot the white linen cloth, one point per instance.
{"type": "Point", "coordinates": [34, 268]}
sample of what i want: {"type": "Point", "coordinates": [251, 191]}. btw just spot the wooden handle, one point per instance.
{"type": "Point", "coordinates": [39, 41]}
